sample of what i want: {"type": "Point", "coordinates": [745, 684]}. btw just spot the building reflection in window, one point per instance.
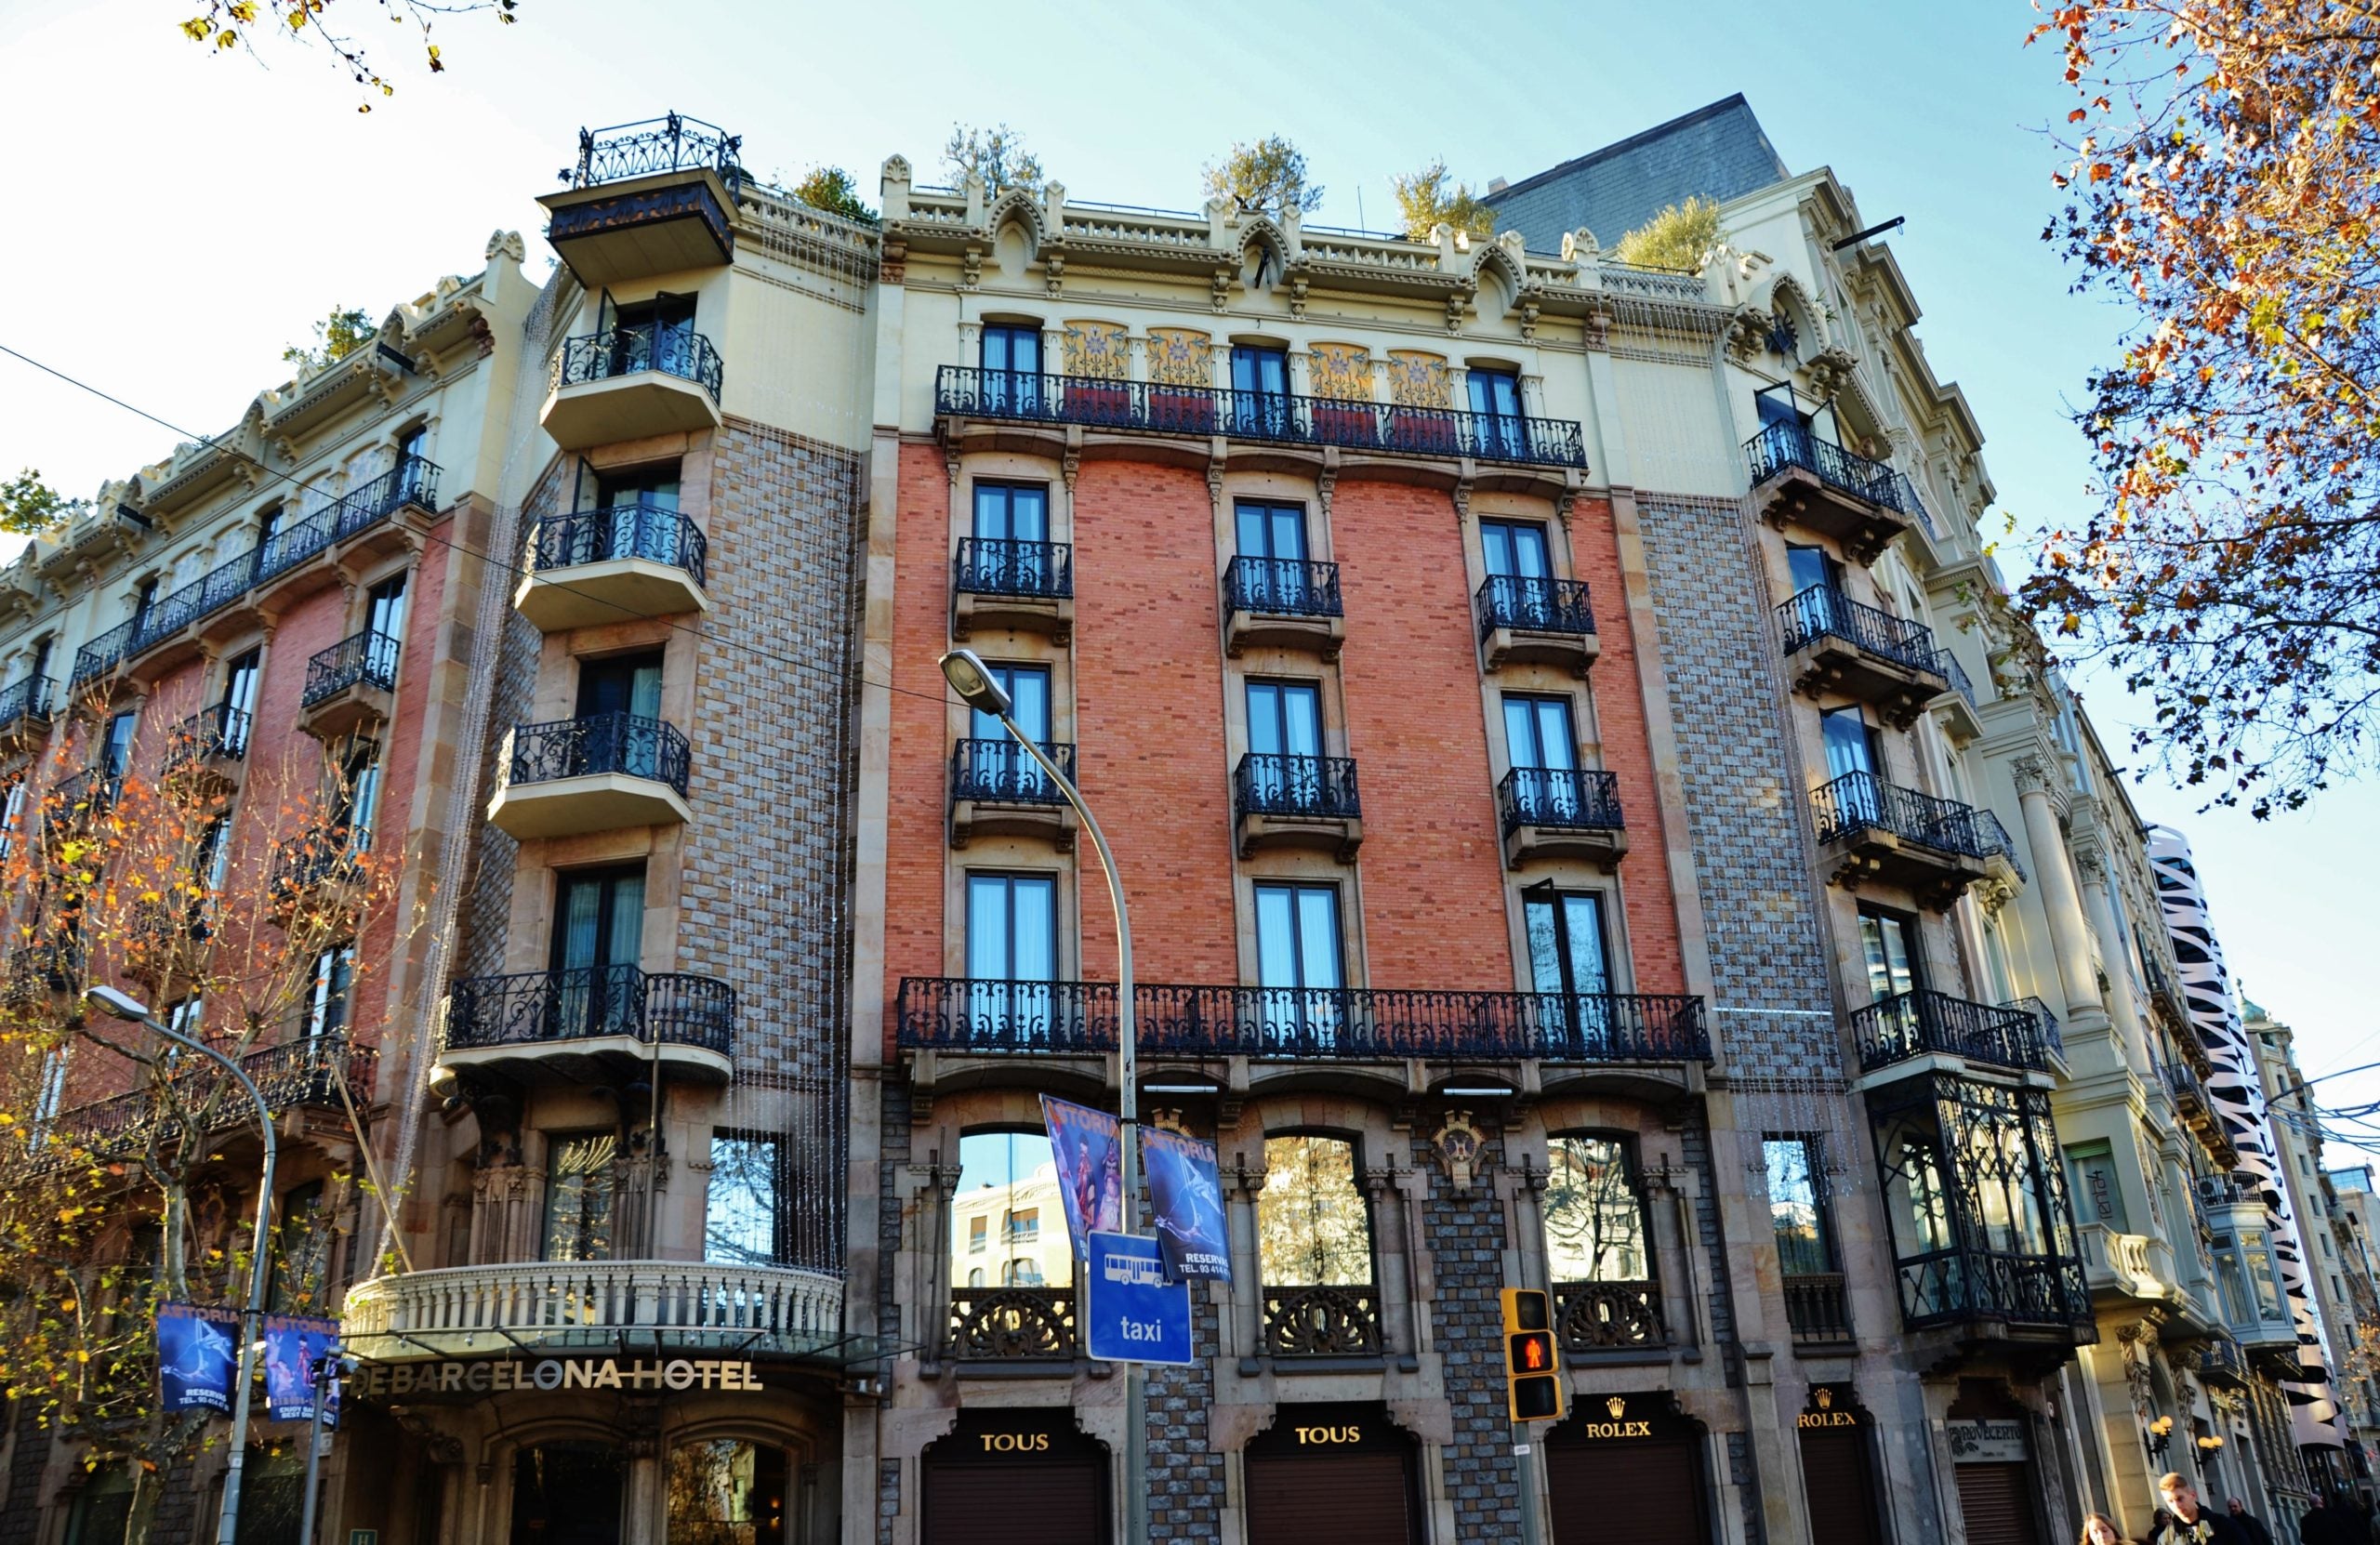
{"type": "Point", "coordinates": [1313, 1228]}
{"type": "Point", "coordinates": [1007, 1222]}
{"type": "Point", "coordinates": [727, 1491]}
{"type": "Point", "coordinates": [1594, 1215]}
{"type": "Point", "coordinates": [579, 1192]}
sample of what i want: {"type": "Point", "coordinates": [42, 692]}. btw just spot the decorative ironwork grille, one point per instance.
{"type": "Point", "coordinates": [1000, 771]}
{"type": "Point", "coordinates": [1322, 1322]}
{"type": "Point", "coordinates": [630, 745]}
{"type": "Point", "coordinates": [1533, 605]}
{"type": "Point", "coordinates": [670, 350]}
{"type": "Point", "coordinates": [1861, 801]}
{"type": "Point", "coordinates": [1784, 446]}
{"type": "Point", "coordinates": [1597, 1316]}
{"type": "Point", "coordinates": [655, 533]}
{"type": "Point", "coordinates": [671, 143]}
{"type": "Point", "coordinates": [1824, 611]}
{"type": "Point", "coordinates": [1572, 799]}
{"type": "Point", "coordinates": [1283, 587]}
{"type": "Point", "coordinates": [528, 1007]}
{"type": "Point", "coordinates": [1005, 566]}
{"type": "Point", "coordinates": [360, 660]}
{"type": "Point", "coordinates": [1909, 1024]}
{"type": "Point", "coordinates": [987, 1322]}
{"type": "Point", "coordinates": [1268, 784]}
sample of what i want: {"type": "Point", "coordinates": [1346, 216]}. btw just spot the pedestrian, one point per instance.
{"type": "Point", "coordinates": [2099, 1529]}
{"type": "Point", "coordinates": [2191, 1523]}
{"type": "Point", "coordinates": [2250, 1524]}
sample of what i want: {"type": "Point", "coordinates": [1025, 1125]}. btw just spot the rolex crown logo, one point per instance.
{"type": "Point", "coordinates": [1617, 1406]}
{"type": "Point", "coordinates": [1825, 1398]}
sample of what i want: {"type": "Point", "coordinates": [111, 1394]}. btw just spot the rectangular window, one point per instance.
{"type": "Point", "coordinates": [1537, 732]}
{"type": "Point", "coordinates": [239, 707]}
{"type": "Point", "coordinates": [979, 1234]}
{"type": "Point", "coordinates": [597, 950]}
{"type": "Point", "coordinates": [1028, 697]}
{"type": "Point", "coordinates": [581, 1185]}
{"type": "Point", "coordinates": [1012, 928]}
{"type": "Point", "coordinates": [1566, 941]}
{"type": "Point", "coordinates": [1011, 368]}
{"type": "Point", "coordinates": [1795, 1206]}
{"type": "Point", "coordinates": [1011, 513]}
{"type": "Point", "coordinates": [2099, 1198]}
{"type": "Point", "coordinates": [2237, 1306]}
{"type": "Point", "coordinates": [1285, 719]}
{"type": "Point", "coordinates": [116, 753]}
{"type": "Point", "coordinates": [44, 647]}
{"type": "Point", "coordinates": [743, 1213]}
{"type": "Point", "coordinates": [1812, 567]}
{"type": "Point", "coordinates": [182, 1015]}
{"type": "Point", "coordinates": [355, 803]}
{"type": "Point", "coordinates": [12, 813]}
{"type": "Point", "coordinates": [653, 335]}
{"type": "Point", "coordinates": [1298, 960]}
{"type": "Point", "coordinates": [1850, 742]}
{"type": "Point", "coordinates": [621, 684]}
{"type": "Point", "coordinates": [2256, 1260]}
{"type": "Point", "coordinates": [1260, 387]}
{"type": "Point", "coordinates": [1495, 406]}
{"type": "Point", "coordinates": [1269, 529]}
{"type": "Point", "coordinates": [654, 485]}
{"type": "Point", "coordinates": [327, 996]}
{"type": "Point", "coordinates": [1025, 1226]}
{"type": "Point", "coordinates": [1515, 549]}
{"type": "Point", "coordinates": [1888, 940]}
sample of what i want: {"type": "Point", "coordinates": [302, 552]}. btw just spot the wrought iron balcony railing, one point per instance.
{"type": "Point", "coordinates": [1005, 566]}
{"type": "Point", "coordinates": [103, 653]}
{"type": "Point", "coordinates": [1779, 446]}
{"type": "Point", "coordinates": [1533, 605]}
{"type": "Point", "coordinates": [1817, 1307]}
{"type": "Point", "coordinates": [299, 1073]}
{"type": "Point", "coordinates": [89, 792]}
{"type": "Point", "coordinates": [1342, 1023]}
{"type": "Point", "coordinates": [312, 859]}
{"type": "Point", "coordinates": [1283, 587]}
{"type": "Point", "coordinates": [1995, 840]}
{"type": "Point", "coordinates": [1000, 771]}
{"type": "Point", "coordinates": [52, 965]}
{"type": "Point", "coordinates": [1599, 1317]}
{"type": "Point", "coordinates": [1322, 787]}
{"type": "Point", "coordinates": [1322, 1322]}
{"type": "Point", "coordinates": [1034, 1324]}
{"type": "Point", "coordinates": [617, 351]}
{"type": "Point", "coordinates": [627, 743]}
{"type": "Point", "coordinates": [26, 700]}
{"type": "Point", "coordinates": [1824, 611]}
{"type": "Point", "coordinates": [671, 143]}
{"type": "Point", "coordinates": [360, 660]}
{"type": "Point", "coordinates": [1961, 1284]}
{"type": "Point", "coordinates": [529, 1006]}
{"type": "Point", "coordinates": [655, 533]}
{"type": "Point", "coordinates": [1572, 799]}
{"type": "Point", "coordinates": [2051, 1036]}
{"type": "Point", "coordinates": [1911, 1024]}
{"type": "Point", "coordinates": [1153, 408]}
{"type": "Point", "coordinates": [1861, 801]}
{"type": "Point", "coordinates": [221, 731]}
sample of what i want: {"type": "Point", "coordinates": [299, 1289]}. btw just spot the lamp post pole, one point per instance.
{"type": "Point", "coordinates": [120, 1005]}
{"type": "Point", "coordinates": [973, 682]}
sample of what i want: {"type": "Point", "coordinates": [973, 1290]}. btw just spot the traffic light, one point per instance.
{"type": "Point", "coordinates": [1532, 1367]}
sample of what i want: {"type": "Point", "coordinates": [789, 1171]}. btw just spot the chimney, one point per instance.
{"type": "Point", "coordinates": [1496, 185]}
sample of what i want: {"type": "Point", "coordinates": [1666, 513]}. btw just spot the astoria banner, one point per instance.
{"type": "Point", "coordinates": [1088, 1148]}
{"type": "Point", "coordinates": [1188, 1197]}
{"type": "Point", "coordinates": [292, 1346]}
{"type": "Point", "coordinates": [196, 1356]}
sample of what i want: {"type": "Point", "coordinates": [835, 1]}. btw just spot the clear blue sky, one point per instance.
{"type": "Point", "coordinates": [191, 215]}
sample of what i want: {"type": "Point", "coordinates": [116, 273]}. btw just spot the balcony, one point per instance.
{"type": "Point", "coordinates": [1560, 813]}
{"type": "Point", "coordinates": [299, 1074]}
{"type": "Point", "coordinates": [350, 686]}
{"type": "Point", "coordinates": [1607, 1316]}
{"type": "Point", "coordinates": [47, 968]}
{"type": "Point", "coordinates": [1922, 1024]}
{"type": "Point", "coordinates": [89, 794]}
{"type": "Point", "coordinates": [965, 1016]}
{"type": "Point", "coordinates": [963, 392]}
{"type": "Point", "coordinates": [664, 1308]}
{"type": "Point", "coordinates": [204, 752]}
{"type": "Point", "coordinates": [1000, 581]}
{"type": "Point", "coordinates": [591, 1026]}
{"type": "Point", "coordinates": [1014, 1325]}
{"type": "Point", "coordinates": [1297, 802]}
{"type": "Point", "coordinates": [598, 774]}
{"type": "Point", "coordinates": [1282, 603]}
{"type": "Point", "coordinates": [648, 198]}
{"type": "Point", "coordinates": [998, 790]}
{"type": "Point", "coordinates": [1840, 647]}
{"type": "Point", "coordinates": [1798, 479]}
{"type": "Point", "coordinates": [26, 705]}
{"type": "Point", "coordinates": [1322, 1322]}
{"type": "Point", "coordinates": [595, 566]}
{"type": "Point", "coordinates": [2117, 1266]}
{"type": "Point", "coordinates": [317, 878]}
{"type": "Point", "coordinates": [628, 383]}
{"type": "Point", "coordinates": [1872, 832]}
{"type": "Point", "coordinates": [1536, 621]}
{"type": "Point", "coordinates": [1817, 1308]}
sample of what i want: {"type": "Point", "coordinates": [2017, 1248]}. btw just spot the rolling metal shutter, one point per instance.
{"type": "Point", "coordinates": [1997, 1499]}
{"type": "Point", "coordinates": [1328, 1500]}
{"type": "Point", "coordinates": [1049, 1502]}
{"type": "Point", "coordinates": [1644, 1492]}
{"type": "Point", "coordinates": [1838, 1483]}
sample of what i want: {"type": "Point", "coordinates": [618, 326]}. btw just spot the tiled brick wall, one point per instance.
{"type": "Point", "coordinates": [1464, 1231]}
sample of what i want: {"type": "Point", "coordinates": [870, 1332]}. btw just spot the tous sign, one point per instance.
{"type": "Point", "coordinates": [1329, 1434]}
{"type": "Point", "coordinates": [1016, 1442]}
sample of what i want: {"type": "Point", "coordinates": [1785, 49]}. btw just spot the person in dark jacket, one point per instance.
{"type": "Point", "coordinates": [2250, 1524]}
{"type": "Point", "coordinates": [2190, 1523]}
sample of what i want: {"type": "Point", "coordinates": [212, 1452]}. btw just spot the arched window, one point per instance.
{"type": "Point", "coordinates": [1594, 1212]}
{"type": "Point", "coordinates": [728, 1491]}
{"type": "Point", "coordinates": [1313, 1228]}
{"type": "Point", "coordinates": [1006, 1218]}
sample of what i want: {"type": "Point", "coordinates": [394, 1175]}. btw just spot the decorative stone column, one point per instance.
{"type": "Point", "coordinates": [1245, 1324]}
{"type": "Point", "coordinates": [2061, 898]}
{"type": "Point", "coordinates": [2132, 1026]}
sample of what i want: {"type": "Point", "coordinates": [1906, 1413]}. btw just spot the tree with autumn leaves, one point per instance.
{"type": "Point", "coordinates": [127, 1169]}
{"type": "Point", "coordinates": [2223, 181]}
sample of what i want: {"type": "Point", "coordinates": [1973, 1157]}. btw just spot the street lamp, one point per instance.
{"type": "Point", "coordinates": [123, 1006]}
{"type": "Point", "coordinates": [972, 680]}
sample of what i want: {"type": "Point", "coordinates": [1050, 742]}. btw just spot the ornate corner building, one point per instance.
{"type": "Point", "coordinates": [1591, 819]}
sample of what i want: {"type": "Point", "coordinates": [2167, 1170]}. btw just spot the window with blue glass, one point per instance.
{"type": "Point", "coordinates": [1260, 387]}
{"type": "Point", "coordinates": [1012, 360]}
{"type": "Point", "coordinates": [1298, 960]}
{"type": "Point", "coordinates": [1496, 407]}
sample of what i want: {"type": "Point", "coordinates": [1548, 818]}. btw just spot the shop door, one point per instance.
{"type": "Point", "coordinates": [1345, 1499]}
{"type": "Point", "coordinates": [1636, 1476]}
{"type": "Point", "coordinates": [1014, 1478]}
{"type": "Point", "coordinates": [566, 1494]}
{"type": "Point", "coordinates": [1840, 1487]}
{"type": "Point", "coordinates": [1998, 1504]}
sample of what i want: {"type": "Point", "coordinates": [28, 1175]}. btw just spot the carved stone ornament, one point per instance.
{"type": "Point", "coordinates": [509, 245]}
{"type": "Point", "coordinates": [2030, 773]}
{"type": "Point", "coordinates": [971, 269]}
{"type": "Point", "coordinates": [1747, 333]}
{"type": "Point", "coordinates": [1831, 371]}
{"type": "Point", "coordinates": [1457, 1142]}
